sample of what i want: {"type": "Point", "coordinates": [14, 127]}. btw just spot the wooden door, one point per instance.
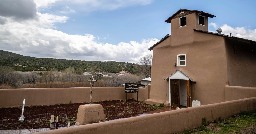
{"type": "Point", "coordinates": [175, 96]}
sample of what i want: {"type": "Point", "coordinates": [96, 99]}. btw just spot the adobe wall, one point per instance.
{"type": "Point", "coordinates": [183, 35]}
{"type": "Point", "coordinates": [51, 96]}
{"type": "Point", "coordinates": [237, 92]}
{"type": "Point", "coordinates": [208, 68]}
{"type": "Point", "coordinates": [165, 122]}
{"type": "Point", "coordinates": [241, 63]}
{"type": "Point", "coordinates": [206, 65]}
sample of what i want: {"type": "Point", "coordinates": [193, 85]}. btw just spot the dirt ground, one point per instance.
{"type": "Point", "coordinates": [39, 116]}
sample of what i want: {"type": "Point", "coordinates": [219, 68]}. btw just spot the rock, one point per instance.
{"type": "Point", "coordinates": [196, 103]}
{"type": "Point", "coordinates": [90, 113]}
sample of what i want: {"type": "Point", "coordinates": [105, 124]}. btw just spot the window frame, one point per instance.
{"type": "Point", "coordinates": [199, 20]}
{"type": "Point", "coordinates": [185, 21]}
{"type": "Point", "coordinates": [179, 60]}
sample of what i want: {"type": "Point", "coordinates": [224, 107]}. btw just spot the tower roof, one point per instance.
{"type": "Point", "coordinates": [183, 12]}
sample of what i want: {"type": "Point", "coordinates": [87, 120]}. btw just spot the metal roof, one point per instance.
{"type": "Point", "coordinates": [146, 79]}
{"type": "Point", "coordinates": [179, 75]}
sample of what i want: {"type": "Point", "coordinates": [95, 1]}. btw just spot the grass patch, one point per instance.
{"type": "Point", "coordinates": [158, 106]}
{"type": "Point", "coordinates": [242, 123]}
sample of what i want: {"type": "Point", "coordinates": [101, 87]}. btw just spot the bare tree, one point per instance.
{"type": "Point", "coordinates": [145, 65]}
{"type": "Point", "coordinates": [118, 80]}
{"type": "Point", "coordinates": [69, 74]}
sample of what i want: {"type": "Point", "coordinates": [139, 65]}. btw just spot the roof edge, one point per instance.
{"type": "Point", "coordinates": [192, 11]}
{"type": "Point", "coordinates": [227, 36]}
{"type": "Point", "coordinates": [164, 38]}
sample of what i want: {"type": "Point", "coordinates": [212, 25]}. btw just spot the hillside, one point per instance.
{"type": "Point", "coordinates": [25, 63]}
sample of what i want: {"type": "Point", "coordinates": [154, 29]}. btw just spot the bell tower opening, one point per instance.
{"type": "Point", "coordinates": [183, 21]}
{"type": "Point", "coordinates": [201, 20]}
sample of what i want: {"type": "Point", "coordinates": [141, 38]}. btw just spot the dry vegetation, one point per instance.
{"type": "Point", "coordinates": [18, 71]}
{"type": "Point", "coordinates": [64, 79]}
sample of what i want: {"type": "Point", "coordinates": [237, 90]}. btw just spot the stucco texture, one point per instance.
{"type": "Point", "coordinates": [206, 65]}
{"type": "Point", "coordinates": [52, 96]}
{"type": "Point", "coordinates": [212, 62]}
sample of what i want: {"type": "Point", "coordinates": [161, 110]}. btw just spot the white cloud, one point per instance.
{"type": "Point", "coordinates": [214, 25]}
{"type": "Point", "coordinates": [38, 36]}
{"type": "Point", "coordinates": [90, 5]}
{"type": "Point", "coordinates": [48, 20]}
{"type": "Point", "coordinates": [110, 4]}
{"type": "Point", "coordinates": [45, 3]}
{"type": "Point", "coordinates": [241, 32]}
{"type": "Point", "coordinates": [67, 10]}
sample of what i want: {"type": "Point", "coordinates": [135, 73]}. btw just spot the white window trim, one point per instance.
{"type": "Point", "coordinates": [180, 22]}
{"type": "Point", "coordinates": [198, 20]}
{"type": "Point", "coordinates": [178, 60]}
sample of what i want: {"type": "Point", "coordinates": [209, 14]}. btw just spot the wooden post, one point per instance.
{"type": "Point", "coordinates": [188, 94]}
{"type": "Point", "coordinates": [92, 80]}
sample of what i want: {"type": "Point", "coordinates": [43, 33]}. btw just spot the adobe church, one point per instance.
{"type": "Point", "coordinates": [195, 64]}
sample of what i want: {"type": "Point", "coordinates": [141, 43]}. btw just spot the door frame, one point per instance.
{"type": "Point", "coordinates": [188, 91]}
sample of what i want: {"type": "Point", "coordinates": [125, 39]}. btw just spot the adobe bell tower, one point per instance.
{"type": "Point", "coordinates": [184, 21]}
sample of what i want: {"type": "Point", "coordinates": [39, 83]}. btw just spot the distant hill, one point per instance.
{"type": "Point", "coordinates": [26, 63]}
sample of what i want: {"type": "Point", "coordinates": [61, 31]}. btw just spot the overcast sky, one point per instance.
{"type": "Point", "coordinates": [120, 30]}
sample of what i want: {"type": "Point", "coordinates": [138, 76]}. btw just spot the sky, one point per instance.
{"type": "Point", "coordinates": [108, 30]}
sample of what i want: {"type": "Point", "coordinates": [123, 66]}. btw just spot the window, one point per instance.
{"type": "Point", "coordinates": [183, 21]}
{"type": "Point", "coordinates": [181, 60]}
{"type": "Point", "coordinates": [201, 20]}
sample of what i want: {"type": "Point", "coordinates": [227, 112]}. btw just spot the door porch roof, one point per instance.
{"type": "Point", "coordinates": [180, 76]}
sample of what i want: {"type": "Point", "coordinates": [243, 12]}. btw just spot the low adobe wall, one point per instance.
{"type": "Point", "coordinates": [237, 92]}
{"type": "Point", "coordinates": [52, 96]}
{"type": "Point", "coordinates": [166, 122]}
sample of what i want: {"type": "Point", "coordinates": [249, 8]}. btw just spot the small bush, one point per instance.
{"type": "Point", "coordinates": [204, 122]}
